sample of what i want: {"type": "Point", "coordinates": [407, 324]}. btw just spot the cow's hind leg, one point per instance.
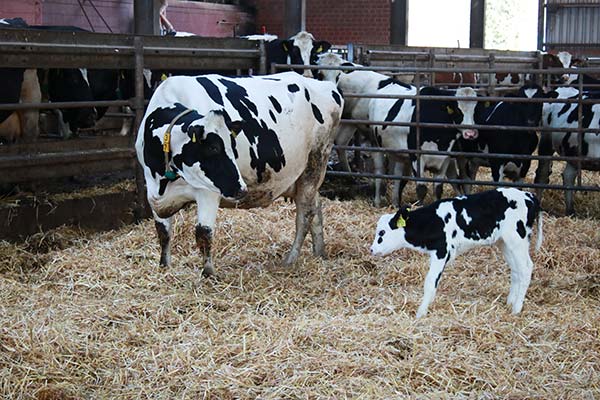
{"type": "Point", "coordinates": [516, 254]}
{"type": "Point", "coordinates": [164, 231]}
{"type": "Point", "coordinates": [308, 207]}
{"type": "Point", "coordinates": [208, 205]}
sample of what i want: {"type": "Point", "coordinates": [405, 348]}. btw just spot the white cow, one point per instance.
{"type": "Point", "coordinates": [239, 142]}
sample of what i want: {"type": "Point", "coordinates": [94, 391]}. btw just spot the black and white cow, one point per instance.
{"type": "Point", "coordinates": [374, 109]}
{"type": "Point", "coordinates": [503, 141]}
{"type": "Point", "coordinates": [449, 227]}
{"type": "Point", "coordinates": [300, 49]}
{"type": "Point", "coordinates": [19, 85]}
{"type": "Point", "coordinates": [267, 136]}
{"type": "Point", "coordinates": [559, 115]}
{"type": "Point", "coordinates": [442, 111]}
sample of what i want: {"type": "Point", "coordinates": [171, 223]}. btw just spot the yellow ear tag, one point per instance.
{"type": "Point", "coordinates": [285, 48]}
{"type": "Point", "coordinates": [194, 137]}
{"type": "Point", "coordinates": [320, 49]}
{"type": "Point", "coordinates": [487, 104]}
{"type": "Point", "coordinates": [167, 142]}
{"type": "Point", "coordinates": [401, 222]}
{"type": "Point", "coordinates": [449, 110]}
{"type": "Point", "coordinates": [233, 133]}
{"type": "Point", "coordinates": [163, 77]}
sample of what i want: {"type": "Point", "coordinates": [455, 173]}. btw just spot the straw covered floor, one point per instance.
{"type": "Point", "coordinates": [93, 316]}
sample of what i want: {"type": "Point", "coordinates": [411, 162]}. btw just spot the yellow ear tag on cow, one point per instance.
{"type": "Point", "coordinates": [194, 137]}
{"type": "Point", "coordinates": [163, 77]}
{"type": "Point", "coordinates": [285, 48]}
{"type": "Point", "coordinates": [320, 49]}
{"type": "Point", "coordinates": [233, 133]}
{"type": "Point", "coordinates": [401, 223]}
{"type": "Point", "coordinates": [487, 104]}
{"type": "Point", "coordinates": [449, 110]}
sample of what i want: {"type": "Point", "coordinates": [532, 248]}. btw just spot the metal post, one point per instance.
{"type": "Point", "coordinates": [477, 30]}
{"type": "Point", "coordinates": [262, 69]}
{"type": "Point", "coordinates": [492, 65]}
{"type": "Point", "coordinates": [146, 19]}
{"type": "Point", "coordinates": [399, 22]}
{"type": "Point", "coordinates": [138, 103]}
{"type": "Point", "coordinates": [541, 25]}
{"type": "Point", "coordinates": [293, 17]}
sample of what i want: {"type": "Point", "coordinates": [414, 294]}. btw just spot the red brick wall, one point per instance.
{"type": "Point", "coordinates": [337, 21]}
{"type": "Point", "coordinates": [199, 18]}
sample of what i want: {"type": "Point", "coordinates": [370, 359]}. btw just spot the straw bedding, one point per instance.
{"type": "Point", "coordinates": [87, 315]}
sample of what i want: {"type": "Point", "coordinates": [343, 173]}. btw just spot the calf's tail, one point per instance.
{"type": "Point", "coordinates": [540, 233]}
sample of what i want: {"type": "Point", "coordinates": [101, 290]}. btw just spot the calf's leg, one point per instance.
{"type": "Point", "coordinates": [436, 267]}
{"type": "Point", "coordinates": [516, 254]}
{"type": "Point", "coordinates": [569, 175]}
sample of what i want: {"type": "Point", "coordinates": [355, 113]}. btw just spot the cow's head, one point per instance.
{"type": "Point", "coordinates": [462, 112]}
{"type": "Point", "coordinates": [562, 59]}
{"type": "Point", "coordinates": [205, 155]}
{"type": "Point", "coordinates": [531, 113]}
{"type": "Point", "coordinates": [303, 49]}
{"type": "Point", "coordinates": [68, 85]}
{"type": "Point", "coordinates": [390, 234]}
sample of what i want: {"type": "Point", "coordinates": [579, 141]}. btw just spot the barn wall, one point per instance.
{"type": "Point", "coordinates": [340, 22]}
{"type": "Point", "coordinates": [205, 19]}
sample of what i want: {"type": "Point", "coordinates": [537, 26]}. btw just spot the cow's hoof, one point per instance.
{"type": "Point", "coordinates": [208, 271]}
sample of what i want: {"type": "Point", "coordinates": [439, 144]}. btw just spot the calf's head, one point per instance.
{"type": "Point", "coordinates": [72, 85]}
{"type": "Point", "coordinates": [389, 234]}
{"type": "Point", "coordinates": [531, 113]}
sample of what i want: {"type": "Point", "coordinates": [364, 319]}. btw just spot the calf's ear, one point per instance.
{"type": "Point", "coordinates": [235, 127]}
{"type": "Point", "coordinates": [287, 45]}
{"type": "Point", "coordinates": [399, 220]}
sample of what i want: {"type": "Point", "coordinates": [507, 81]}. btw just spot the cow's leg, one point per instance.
{"type": "Point", "coordinates": [399, 169]}
{"type": "Point", "coordinates": [208, 205]}
{"type": "Point", "coordinates": [472, 169]}
{"type": "Point", "coordinates": [64, 129]}
{"type": "Point", "coordinates": [516, 254]}
{"type": "Point", "coordinates": [308, 206]}
{"type": "Point", "coordinates": [316, 231]}
{"type": "Point", "coordinates": [164, 229]}
{"type": "Point", "coordinates": [436, 267]}
{"type": "Point", "coordinates": [514, 277]}
{"type": "Point", "coordinates": [421, 186]}
{"type": "Point", "coordinates": [378, 169]}
{"type": "Point", "coordinates": [127, 123]}
{"type": "Point", "coordinates": [569, 174]}
{"type": "Point", "coordinates": [451, 173]}
{"type": "Point", "coordinates": [497, 173]}
{"type": "Point", "coordinates": [344, 135]}
{"type": "Point", "coordinates": [544, 169]}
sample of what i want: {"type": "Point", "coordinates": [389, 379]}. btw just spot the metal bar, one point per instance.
{"type": "Point", "coordinates": [477, 26]}
{"type": "Point", "coordinates": [64, 104]}
{"type": "Point", "coordinates": [399, 22]}
{"type": "Point", "coordinates": [460, 181]}
{"type": "Point", "coordinates": [139, 115]}
{"type": "Point", "coordinates": [467, 154]}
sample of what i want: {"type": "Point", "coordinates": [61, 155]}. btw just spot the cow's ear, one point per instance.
{"type": "Point", "coordinates": [196, 133]}
{"type": "Point", "coordinates": [399, 220]}
{"type": "Point", "coordinates": [551, 95]}
{"type": "Point", "coordinates": [235, 127]}
{"type": "Point", "coordinates": [287, 45]}
{"type": "Point", "coordinates": [321, 46]}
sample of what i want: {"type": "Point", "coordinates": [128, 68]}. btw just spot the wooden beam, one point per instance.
{"type": "Point", "coordinates": [145, 17]}
{"type": "Point", "coordinates": [292, 23]}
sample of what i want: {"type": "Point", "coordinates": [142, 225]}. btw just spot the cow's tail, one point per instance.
{"type": "Point", "coordinates": [540, 232]}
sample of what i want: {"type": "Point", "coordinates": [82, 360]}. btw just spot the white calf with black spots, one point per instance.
{"type": "Point", "coordinates": [237, 142]}
{"type": "Point", "coordinates": [449, 227]}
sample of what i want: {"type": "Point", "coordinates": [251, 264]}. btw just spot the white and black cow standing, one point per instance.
{"type": "Point", "coordinates": [286, 126]}
{"type": "Point", "coordinates": [566, 115]}
{"type": "Point", "coordinates": [374, 109]}
{"type": "Point", "coordinates": [442, 111]}
{"type": "Point", "coordinates": [447, 228]}
{"type": "Point", "coordinates": [506, 141]}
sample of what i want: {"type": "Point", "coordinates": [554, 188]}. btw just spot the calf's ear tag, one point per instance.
{"type": "Point", "coordinates": [233, 133]}
{"type": "Point", "coordinates": [450, 110]}
{"type": "Point", "coordinates": [194, 137]}
{"type": "Point", "coordinates": [320, 49]}
{"type": "Point", "coordinates": [163, 77]}
{"type": "Point", "coordinates": [285, 48]}
{"type": "Point", "coordinates": [487, 104]}
{"type": "Point", "coordinates": [401, 223]}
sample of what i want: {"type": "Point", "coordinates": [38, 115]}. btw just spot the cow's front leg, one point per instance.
{"type": "Point", "coordinates": [208, 205]}
{"type": "Point", "coordinates": [436, 267]}
{"type": "Point", "coordinates": [164, 231]}
{"type": "Point", "coordinates": [316, 231]}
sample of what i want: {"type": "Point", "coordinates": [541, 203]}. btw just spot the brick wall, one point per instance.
{"type": "Point", "coordinates": [338, 21]}
{"type": "Point", "coordinates": [205, 19]}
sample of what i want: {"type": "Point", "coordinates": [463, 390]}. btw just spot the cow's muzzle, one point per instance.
{"type": "Point", "coordinates": [243, 192]}
{"type": "Point", "coordinates": [470, 134]}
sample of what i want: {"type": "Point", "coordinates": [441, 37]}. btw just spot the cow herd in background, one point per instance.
{"type": "Point", "coordinates": [23, 85]}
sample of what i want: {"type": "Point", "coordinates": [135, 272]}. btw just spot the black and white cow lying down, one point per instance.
{"type": "Point", "coordinates": [447, 228]}
{"type": "Point", "coordinates": [246, 142]}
